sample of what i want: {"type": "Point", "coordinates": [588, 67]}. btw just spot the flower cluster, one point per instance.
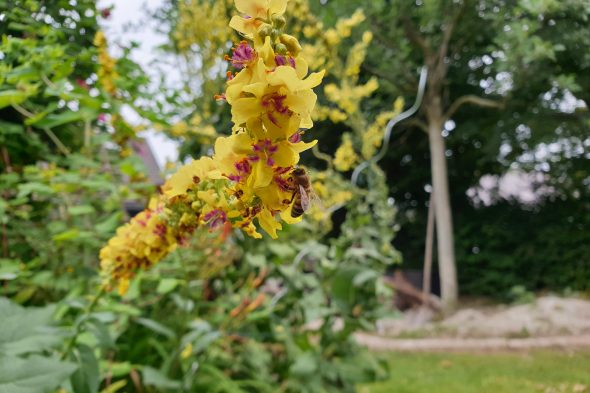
{"type": "Point", "coordinates": [373, 136]}
{"type": "Point", "coordinates": [137, 245]}
{"type": "Point", "coordinates": [247, 183]}
{"type": "Point", "coordinates": [106, 71]}
{"type": "Point", "coordinates": [334, 191]}
{"type": "Point", "coordinates": [345, 157]}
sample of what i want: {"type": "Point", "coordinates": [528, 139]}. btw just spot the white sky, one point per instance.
{"type": "Point", "coordinates": [133, 12]}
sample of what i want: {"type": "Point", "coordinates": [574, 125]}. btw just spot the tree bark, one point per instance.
{"type": "Point", "coordinates": [426, 277]}
{"type": "Point", "coordinates": [443, 215]}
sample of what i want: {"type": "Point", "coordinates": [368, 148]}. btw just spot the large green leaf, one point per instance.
{"type": "Point", "coordinates": [34, 374]}
{"type": "Point", "coordinates": [25, 330]}
{"type": "Point", "coordinates": [87, 378]}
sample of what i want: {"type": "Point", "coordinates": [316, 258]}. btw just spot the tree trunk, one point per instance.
{"type": "Point", "coordinates": [443, 216]}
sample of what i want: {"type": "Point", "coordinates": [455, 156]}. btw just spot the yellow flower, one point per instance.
{"type": "Point", "coordinates": [332, 38]}
{"type": "Point", "coordinates": [344, 26]}
{"type": "Point", "coordinates": [187, 351]}
{"type": "Point", "coordinates": [269, 223]}
{"type": "Point", "coordinates": [179, 129]}
{"type": "Point", "coordinates": [373, 136]}
{"type": "Point", "coordinates": [189, 176]}
{"type": "Point", "coordinates": [280, 99]}
{"type": "Point", "coordinates": [345, 156]}
{"type": "Point", "coordinates": [255, 11]}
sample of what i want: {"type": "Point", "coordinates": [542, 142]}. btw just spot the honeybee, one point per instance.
{"type": "Point", "coordinates": [303, 193]}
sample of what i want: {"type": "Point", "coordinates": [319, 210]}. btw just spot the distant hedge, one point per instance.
{"type": "Point", "coordinates": [503, 246]}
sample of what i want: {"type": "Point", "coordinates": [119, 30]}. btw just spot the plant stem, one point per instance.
{"type": "Point", "coordinates": [78, 329]}
{"type": "Point", "coordinates": [57, 142]}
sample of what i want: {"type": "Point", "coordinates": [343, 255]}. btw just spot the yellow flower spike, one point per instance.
{"type": "Point", "coordinates": [248, 180]}
{"type": "Point", "coordinates": [138, 245]}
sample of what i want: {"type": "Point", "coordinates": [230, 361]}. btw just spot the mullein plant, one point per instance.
{"type": "Point", "coordinates": [247, 183]}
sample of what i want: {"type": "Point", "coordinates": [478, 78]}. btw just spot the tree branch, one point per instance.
{"type": "Point", "coordinates": [474, 100]}
{"type": "Point", "coordinates": [448, 33]}
{"type": "Point", "coordinates": [415, 37]}
{"type": "Point", "coordinates": [416, 123]}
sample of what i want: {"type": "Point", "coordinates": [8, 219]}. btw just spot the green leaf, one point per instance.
{"type": "Point", "coordinates": [115, 387]}
{"type": "Point", "coordinates": [282, 250]}
{"type": "Point", "coordinates": [66, 235]}
{"type": "Point", "coordinates": [9, 268]}
{"type": "Point", "coordinates": [25, 330]}
{"type": "Point", "coordinates": [256, 260]}
{"type": "Point", "coordinates": [101, 332]}
{"type": "Point", "coordinates": [59, 119]}
{"type": "Point", "coordinates": [364, 276]}
{"type": "Point", "coordinates": [87, 378]}
{"type": "Point", "coordinates": [116, 369]}
{"type": "Point", "coordinates": [305, 364]}
{"type": "Point", "coordinates": [10, 97]}
{"type": "Point", "coordinates": [45, 338]}
{"type": "Point", "coordinates": [38, 116]}
{"type": "Point", "coordinates": [10, 129]}
{"type": "Point", "coordinates": [122, 308]}
{"type": "Point", "coordinates": [154, 377]}
{"type": "Point", "coordinates": [110, 224]}
{"type": "Point", "coordinates": [35, 374]}
{"type": "Point", "coordinates": [343, 290]}
{"type": "Point", "coordinates": [80, 210]}
{"type": "Point", "coordinates": [167, 285]}
{"type": "Point", "coordinates": [34, 188]}
{"type": "Point", "coordinates": [156, 327]}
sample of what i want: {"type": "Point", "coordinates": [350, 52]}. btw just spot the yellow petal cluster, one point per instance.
{"type": "Point", "coordinates": [106, 64]}
{"type": "Point", "coordinates": [373, 136]}
{"type": "Point", "coordinates": [137, 245]}
{"type": "Point", "coordinates": [345, 156]}
{"type": "Point", "coordinates": [333, 190]}
{"type": "Point", "coordinates": [247, 183]}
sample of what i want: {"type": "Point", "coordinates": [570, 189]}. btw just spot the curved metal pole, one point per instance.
{"type": "Point", "coordinates": [389, 127]}
{"type": "Point", "coordinates": [386, 137]}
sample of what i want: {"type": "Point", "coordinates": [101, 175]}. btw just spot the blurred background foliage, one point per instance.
{"type": "Point", "coordinates": [229, 314]}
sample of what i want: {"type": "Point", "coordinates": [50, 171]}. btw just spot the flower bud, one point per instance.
{"type": "Point", "coordinates": [278, 21]}
{"type": "Point", "coordinates": [291, 43]}
{"type": "Point", "coordinates": [274, 35]}
{"type": "Point", "coordinates": [281, 49]}
{"type": "Point", "coordinates": [264, 31]}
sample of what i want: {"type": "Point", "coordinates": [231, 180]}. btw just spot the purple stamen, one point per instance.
{"type": "Point", "coordinates": [295, 138]}
{"type": "Point", "coordinates": [243, 55]}
{"type": "Point", "coordinates": [280, 60]}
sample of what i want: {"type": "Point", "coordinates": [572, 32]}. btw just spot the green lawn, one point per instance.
{"type": "Point", "coordinates": [535, 372]}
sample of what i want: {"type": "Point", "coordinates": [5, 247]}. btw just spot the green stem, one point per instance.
{"type": "Point", "coordinates": [78, 329]}
{"type": "Point", "coordinates": [322, 156]}
{"type": "Point", "coordinates": [87, 135]}
{"type": "Point", "coordinates": [57, 142]}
